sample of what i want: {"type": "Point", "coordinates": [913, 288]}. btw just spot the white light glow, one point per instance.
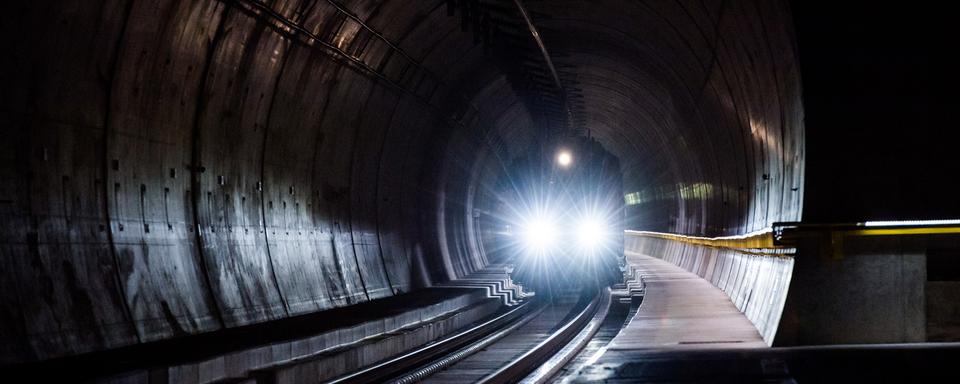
{"type": "Point", "coordinates": [910, 223]}
{"type": "Point", "coordinates": [564, 159]}
{"type": "Point", "coordinates": [591, 234]}
{"type": "Point", "coordinates": [539, 234]}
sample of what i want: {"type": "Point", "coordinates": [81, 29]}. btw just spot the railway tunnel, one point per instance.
{"type": "Point", "coordinates": [211, 176]}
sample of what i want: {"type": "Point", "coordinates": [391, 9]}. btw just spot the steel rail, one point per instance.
{"type": "Point", "coordinates": [463, 353]}
{"type": "Point", "coordinates": [385, 370]}
{"type": "Point", "coordinates": [549, 370]}
{"type": "Point", "coordinates": [523, 365]}
{"type": "Point", "coordinates": [435, 357]}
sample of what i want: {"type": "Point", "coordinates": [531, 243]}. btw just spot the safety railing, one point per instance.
{"type": "Point", "coordinates": [783, 236]}
{"type": "Point", "coordinates": [760, 242]}
{"type": "Point", "coordinates": [831, 238]}
{"type": "Point", "coordinates": [789, 233]}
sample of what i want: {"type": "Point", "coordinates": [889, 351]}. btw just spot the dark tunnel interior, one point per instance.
{"type": "Point", "coordinates": [173, 168]}
{"type": "Point", "coordinates": [878, 97]}
{"type": "Point", "coordinates": [181, 167]}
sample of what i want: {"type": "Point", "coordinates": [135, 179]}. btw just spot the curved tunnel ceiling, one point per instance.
{"type": "Point", "coordinates": [177, 167]}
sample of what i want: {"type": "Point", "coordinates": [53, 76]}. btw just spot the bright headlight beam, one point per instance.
{"type": "Point", "coordinates": [910, 223]}
{"type": "Point", "coordinates": [539, 234]}
{"type": "Point", "coordinates": [564, 159]}
{"type": "Point", "coordinates": [590, 233]}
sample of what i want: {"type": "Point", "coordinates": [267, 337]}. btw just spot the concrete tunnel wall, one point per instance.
{"type": "Point", "coordinates": [177, 167]}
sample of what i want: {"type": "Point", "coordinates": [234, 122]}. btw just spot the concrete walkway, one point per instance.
{"type": "Point", "coordinates": [680, 310]}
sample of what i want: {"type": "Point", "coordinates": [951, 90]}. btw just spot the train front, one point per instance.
{"type": "Point", "coordinates": [563, 218]}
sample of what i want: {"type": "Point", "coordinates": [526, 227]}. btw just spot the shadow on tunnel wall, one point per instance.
{"type": "Point", "coordinates": [172, 168]}
{"type": "Point", "coordinates": [722, 127]}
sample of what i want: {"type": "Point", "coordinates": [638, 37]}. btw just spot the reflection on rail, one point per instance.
{"type": "Point", "coordinates": [504, 349]}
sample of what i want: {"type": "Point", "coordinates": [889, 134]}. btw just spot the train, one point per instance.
{"type": "Point", "coordinates": [563, 217]}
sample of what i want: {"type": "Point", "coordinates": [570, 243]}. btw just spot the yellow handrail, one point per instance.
{"type": "Point", "coordinates": [788, 232]}
{"type": "Point", "coordinates": [781, 237]}
{"type": "Point", "coordinates": [756, 240]}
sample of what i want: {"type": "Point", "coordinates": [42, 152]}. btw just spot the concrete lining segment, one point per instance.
{"type": "Point", "coordinates": [180, 168]}
{"type": "Point", "coordinates": [377, 327]}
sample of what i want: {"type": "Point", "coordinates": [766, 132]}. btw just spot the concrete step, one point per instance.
{"type": "Point", "coordinates": [361, 336]}
{"type": "Point", "coordinates": [497, 282]}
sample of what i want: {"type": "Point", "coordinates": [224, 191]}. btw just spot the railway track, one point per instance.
{"type": "Point", "coordinates": [529, 343]}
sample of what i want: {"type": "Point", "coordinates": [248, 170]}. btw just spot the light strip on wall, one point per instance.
{"type": "Point", "coordinates": [910, 223]}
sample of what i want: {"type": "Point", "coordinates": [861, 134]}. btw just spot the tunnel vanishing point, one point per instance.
{"type": "Point", "coordinates": [187, 180]}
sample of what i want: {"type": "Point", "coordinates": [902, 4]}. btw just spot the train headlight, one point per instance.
{"type": "Point", "coordinates": [591, 234]}
{"type": "Point", "coordinates": [539, 234]}
{"type": "Point", "coordinates": [564, 158]}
